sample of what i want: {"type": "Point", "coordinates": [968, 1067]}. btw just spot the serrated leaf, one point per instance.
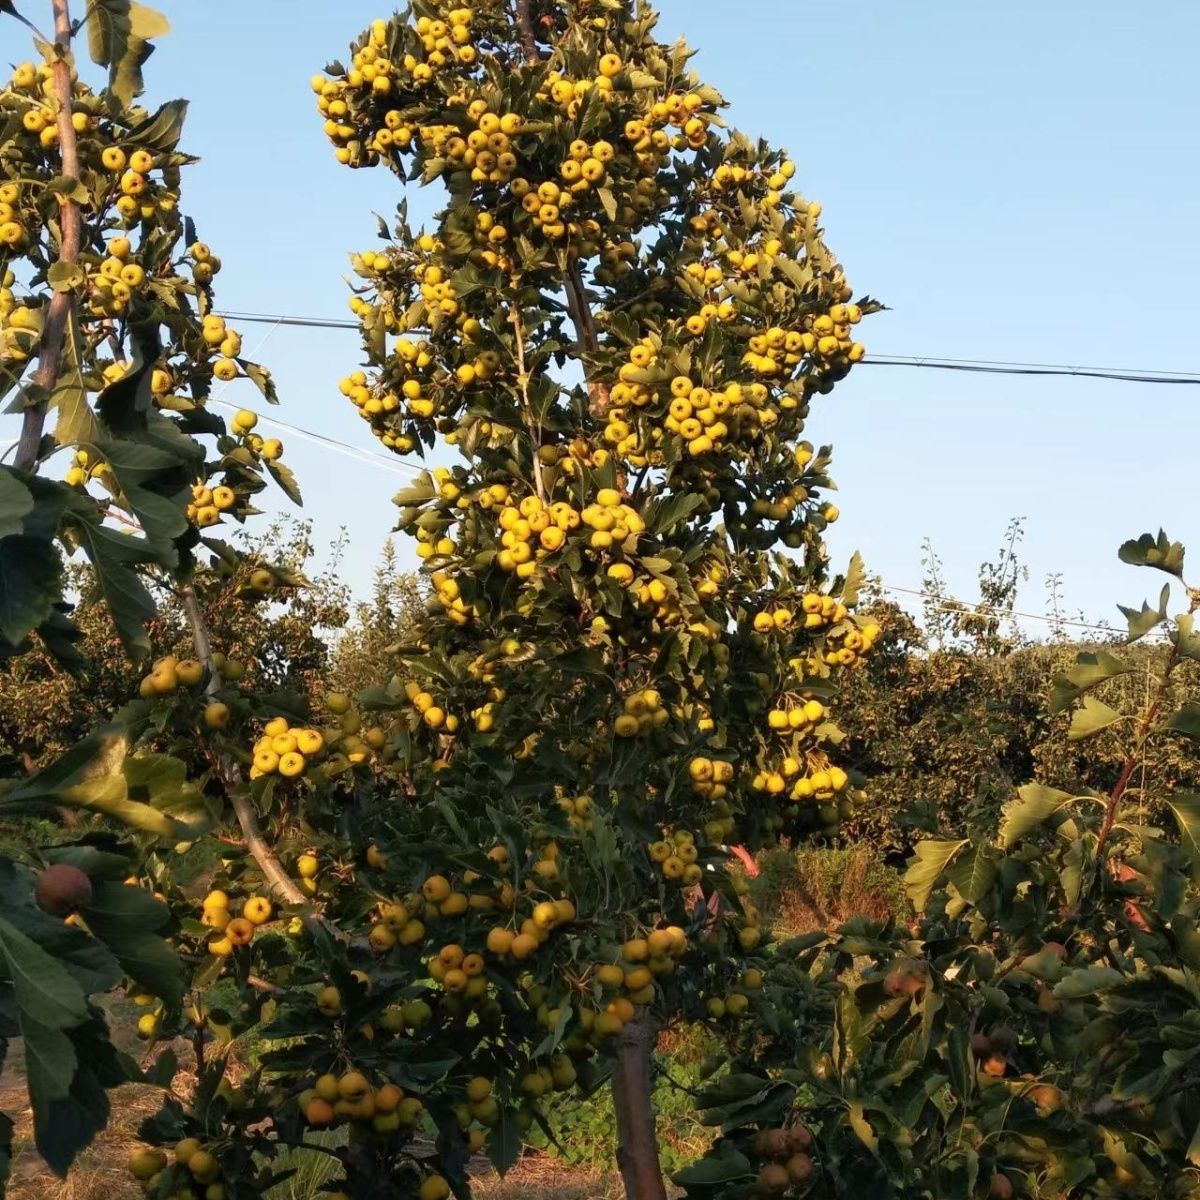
{"type": "Point", "coordinates": [65, 277]}
{"type": "Point", "coordinates": [285, 477]}
{"type": "Point", "coordinates": [115, 557]}
{"type": "Point", "coordinates": [1088, 981]}
{"type": "Point", "coordinates": [261, 378]}
{"type": "Point", "coordinates": [973, 873]}
{"type": "Point", "coordinates": [856, 576]}
{"type": "Point", "coordinates": [1186, 637]}
{"type": "Point", "coordinates": [1034, 805]}
{"type": "Point", "coordinates": [1090, 718]}
{"type": "Point", "coordinates": [1185, 720]}
{"type": "Point", "coordinates": [43, 988]}
{"type": "Point", "coordinates": [1186, 809]}
{"type": "Point", "coordinates": [1091, 669]}
{"type": "Point", "coordinates": [76, 424]}
{"type": "Point", "coordinates": [1149, 551]}
{"type": "Point", "coordinates": [1143, 620]}
{"type": "Point", "coordinates": [16, 502]}
{"type": "Point", "coordinates": [927, 865]}
{"type": "Point", "coordinates": [30, 583]}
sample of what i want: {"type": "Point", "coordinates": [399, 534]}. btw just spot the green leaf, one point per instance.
{"type": "Point", "coordinates": [16, 502]}
{"type": "Point", "coordinates": [725, 1166]}
{"type": "Point", "coordinates": [119, 33]}
{"type": "Point", "coordinates": [286, 480]}
{"type": "Point", "coordinates": [162, 130]}
{"type": "Point", "coordinates": [1186, 809]}
{"type": "Point", "coordinates": [31, 581]}
{"type": "Point", "coordinates": [155, 479]}
{"type": "Point", "coordinates": [861, 1126]}
{"type": "Point", "coordinates": [1090, 669]}
{"type": "Point", "coordinates": [1143, 620]}
{"type": "Point", "coordinates": [1186, 721]}
{"type": "Point", "coordinates": [76, 424]}
{"type": "Point", "coordinates": [262, 380]}
{"type": "Point", "coordinates": [1090, 718]}
{"type": "Point", "coordinates": [1088, 981]}
{"type": "Point", "coordinates": [973, 874]}
{"type": "Point", "coordinates": [664, 514]}
{"type": "Point", "coordinates": [1149, 551]}
{"type": "Point", "coordinates": [114, 557]}
{"type": "Point", "coordinates": [1186, 637]}
{"type": "Point", "coordinates": [1034, 806]}
{"type": "Point", "coordinates": [65, 277]}
{"type": "Point", "coordinates": [43, 988]}
{"type": "Point", "coordinates": [856, 576]}
{"type": "Point", "coordinates": [927, 865]}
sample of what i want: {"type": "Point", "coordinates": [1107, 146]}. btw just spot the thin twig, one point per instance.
{"type": "Point", "coordinates": [58, 315]}
{"type": "Point", "coordinates": [278, 879]}
{"type": "Point", "coordinates": [535, 429]}
{"type": "Point", "coordinates": [1143, 733]}
{"type": "Point", "coordinates": [580, 312]}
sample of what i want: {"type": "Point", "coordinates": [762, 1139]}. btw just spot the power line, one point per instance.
{"type": "Point", "coordinates": [981, 366]}
{"type": "Point", "coordinates": [950, 604]}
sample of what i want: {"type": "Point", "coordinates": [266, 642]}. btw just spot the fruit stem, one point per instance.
{"type": "Point", "coordinates": [273, 872]}
{"type": "Point", "coordinates": [637, 1142]}
{"type": "Point", "coordinates": [58, 316]}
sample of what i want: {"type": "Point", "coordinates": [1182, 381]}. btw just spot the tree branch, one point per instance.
{"type": "Point", "coordinates": [580, 312]}
{"type": "Point", "coordinates": [528, 36]}
{"type": "Point", "coordinates": [637, 1143]}
{"type": "Point", "coordinates": [278, 879]}
{"type": "Point", "coordinates": [58, 316]}
{"type": "Point", "coordinates": [535, 430]}
{"type": "Point", "coordinates": [1135, 752]}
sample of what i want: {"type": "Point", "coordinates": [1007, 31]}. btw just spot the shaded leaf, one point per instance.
{"type": "Point", "coordinates": [926, 867]}
{"type": "Point", "coordinates": [1090, 718]}
{"type": "Point", "coordinates": [1034, 805]}
{"type": "Point", "coordinates": [1143, 620]}
{"type": "Point", "coordinates": [1090, 669]}
{"type": "Point", "coordinates": [1149, 551]}
{"type": "Point", "coordinates": [1186, 721]}
{"type": "Point", "coordinates": [1186, 809]}
{"type": "Point", "coordinates": [16, 501]}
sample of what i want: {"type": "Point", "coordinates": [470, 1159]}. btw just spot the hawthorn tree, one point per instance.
{"type": "Point", "coordinates": [109, 349]}
{"type": "Point", "coordinates": [618, 323]}
{"type": "Point", "coordinates": [1035, 1035]}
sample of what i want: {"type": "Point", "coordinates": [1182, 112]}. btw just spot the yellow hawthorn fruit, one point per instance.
{"type": "Point", "coordinates": [291, 764]}
{"type": "Point", "coordinates": [479, 1089]}
{"type": "Point", "coordinates": [353, 1085]}
{"type": "Point", "coordinates": [216, 715]}
{"type": "Point", "coordinates": [329, 1001]}
{"type": "Point", "coordinates": [319, 1112]}
{"type": "Point", "coordinates": [376, 858]}
{"type": "Point", "coordinates": [337, 703]}
{"type": "Point", "coordinates": [216, 899]}
{"type": "Point", "coordinates": [433, 1187]}
{"type": "Point", "coordinates": [307, 866]}
{"type": "Point", "coordinates": [436, 888]}
{"type": "Point", "coordinates": [240, 931]}
{"type": "Point", "coordinates": [144, 1164]}
{"type": "Point", "coordinates": [147, 1025]}
{"type": "Point", "coordinates": [499, 940]}
{"type": "Point", "coordinates": [326, 1087]}
{"type": "Point", "coordinates": [257, 910]}
{"type": "Point", "coordinates": [203, 1166]}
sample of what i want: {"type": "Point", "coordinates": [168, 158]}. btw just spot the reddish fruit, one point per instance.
{"type": "Point", "coordinates": [61, 890]}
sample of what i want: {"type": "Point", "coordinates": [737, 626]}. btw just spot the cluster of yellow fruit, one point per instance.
{"type": "Point", "coordinates": [797, 717]}
{"type": "Point", "coordinates": [20, 324]}
{"type": "Point", "coordinates": [458, 972]}
{"type": "Point", "coordinates": [333, 1100]}
{"type": "Point", "coordinates": [578, 810]}
{"type": "Point", "coordinates": [194, 1175]}
{"type": "Point", "coordinates": [568, 94]}
{"type": "Point", "coordinates": [855, 646]}
{"type": "Point", "coordinates": [112, 284]}
{"type": "Point", "coordinates": [488, 152]}
{"type": "Point", "coordinates": [432, 713]}
{"type": "Point", "coordinates": [533, 932]}
{"type": "Point", "coordinates": [223, 342]}
{"type": "Point", "coordinates": [677, 858]}
{"type": "Point", "coordinates": [818, 611]}
{"type": "Point", "coordinates": [711, 777]}
{"type": "Point", "coordinates": [642, 961]}
{"type": "Point", "coordinates": [12, 231]}
{"type": "Point", "coordinates": [351, 104]}
{"type": "Point", "coordinates": [308, 867]}
{"type": "Point", "coordinates": [642, 713]}
{"type": "Point", "coordinates": [85, 467]}
{"type": "Point", "coordinates": [376, 409]}
{"type": "Point", "coordinates": [821, 784]}
{"type": "Point", "coordinates": [207, 504]}
{"type": "Point", "coordinates": [230, 931]}
{"type": "Point", "coordinates": [285, 751]}
{"type": "Point", "coordinates": [170, 673]}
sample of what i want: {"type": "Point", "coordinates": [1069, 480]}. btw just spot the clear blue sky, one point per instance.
{"type": "Point", "coordinates": [1015, 181]}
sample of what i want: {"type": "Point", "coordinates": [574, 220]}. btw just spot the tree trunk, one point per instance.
{"type": "Point", "coordinates": [637, 1141]}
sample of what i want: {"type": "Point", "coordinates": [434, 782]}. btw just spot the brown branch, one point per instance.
{"type": "Point", "coordinates": [278, 879]}
{"type": "Point", "coordinates": [58, 316]}
{"type": "Point", "coordinates": [580, 312]}
{"type": "Point", "coordinates": [637, 1142]}
{"type": "Point", "coordinates": [1135, 752]}
{"type": "Point", "coordinates": [535, 428]}
{"type": "Point", "coordinates": [528, 36]}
